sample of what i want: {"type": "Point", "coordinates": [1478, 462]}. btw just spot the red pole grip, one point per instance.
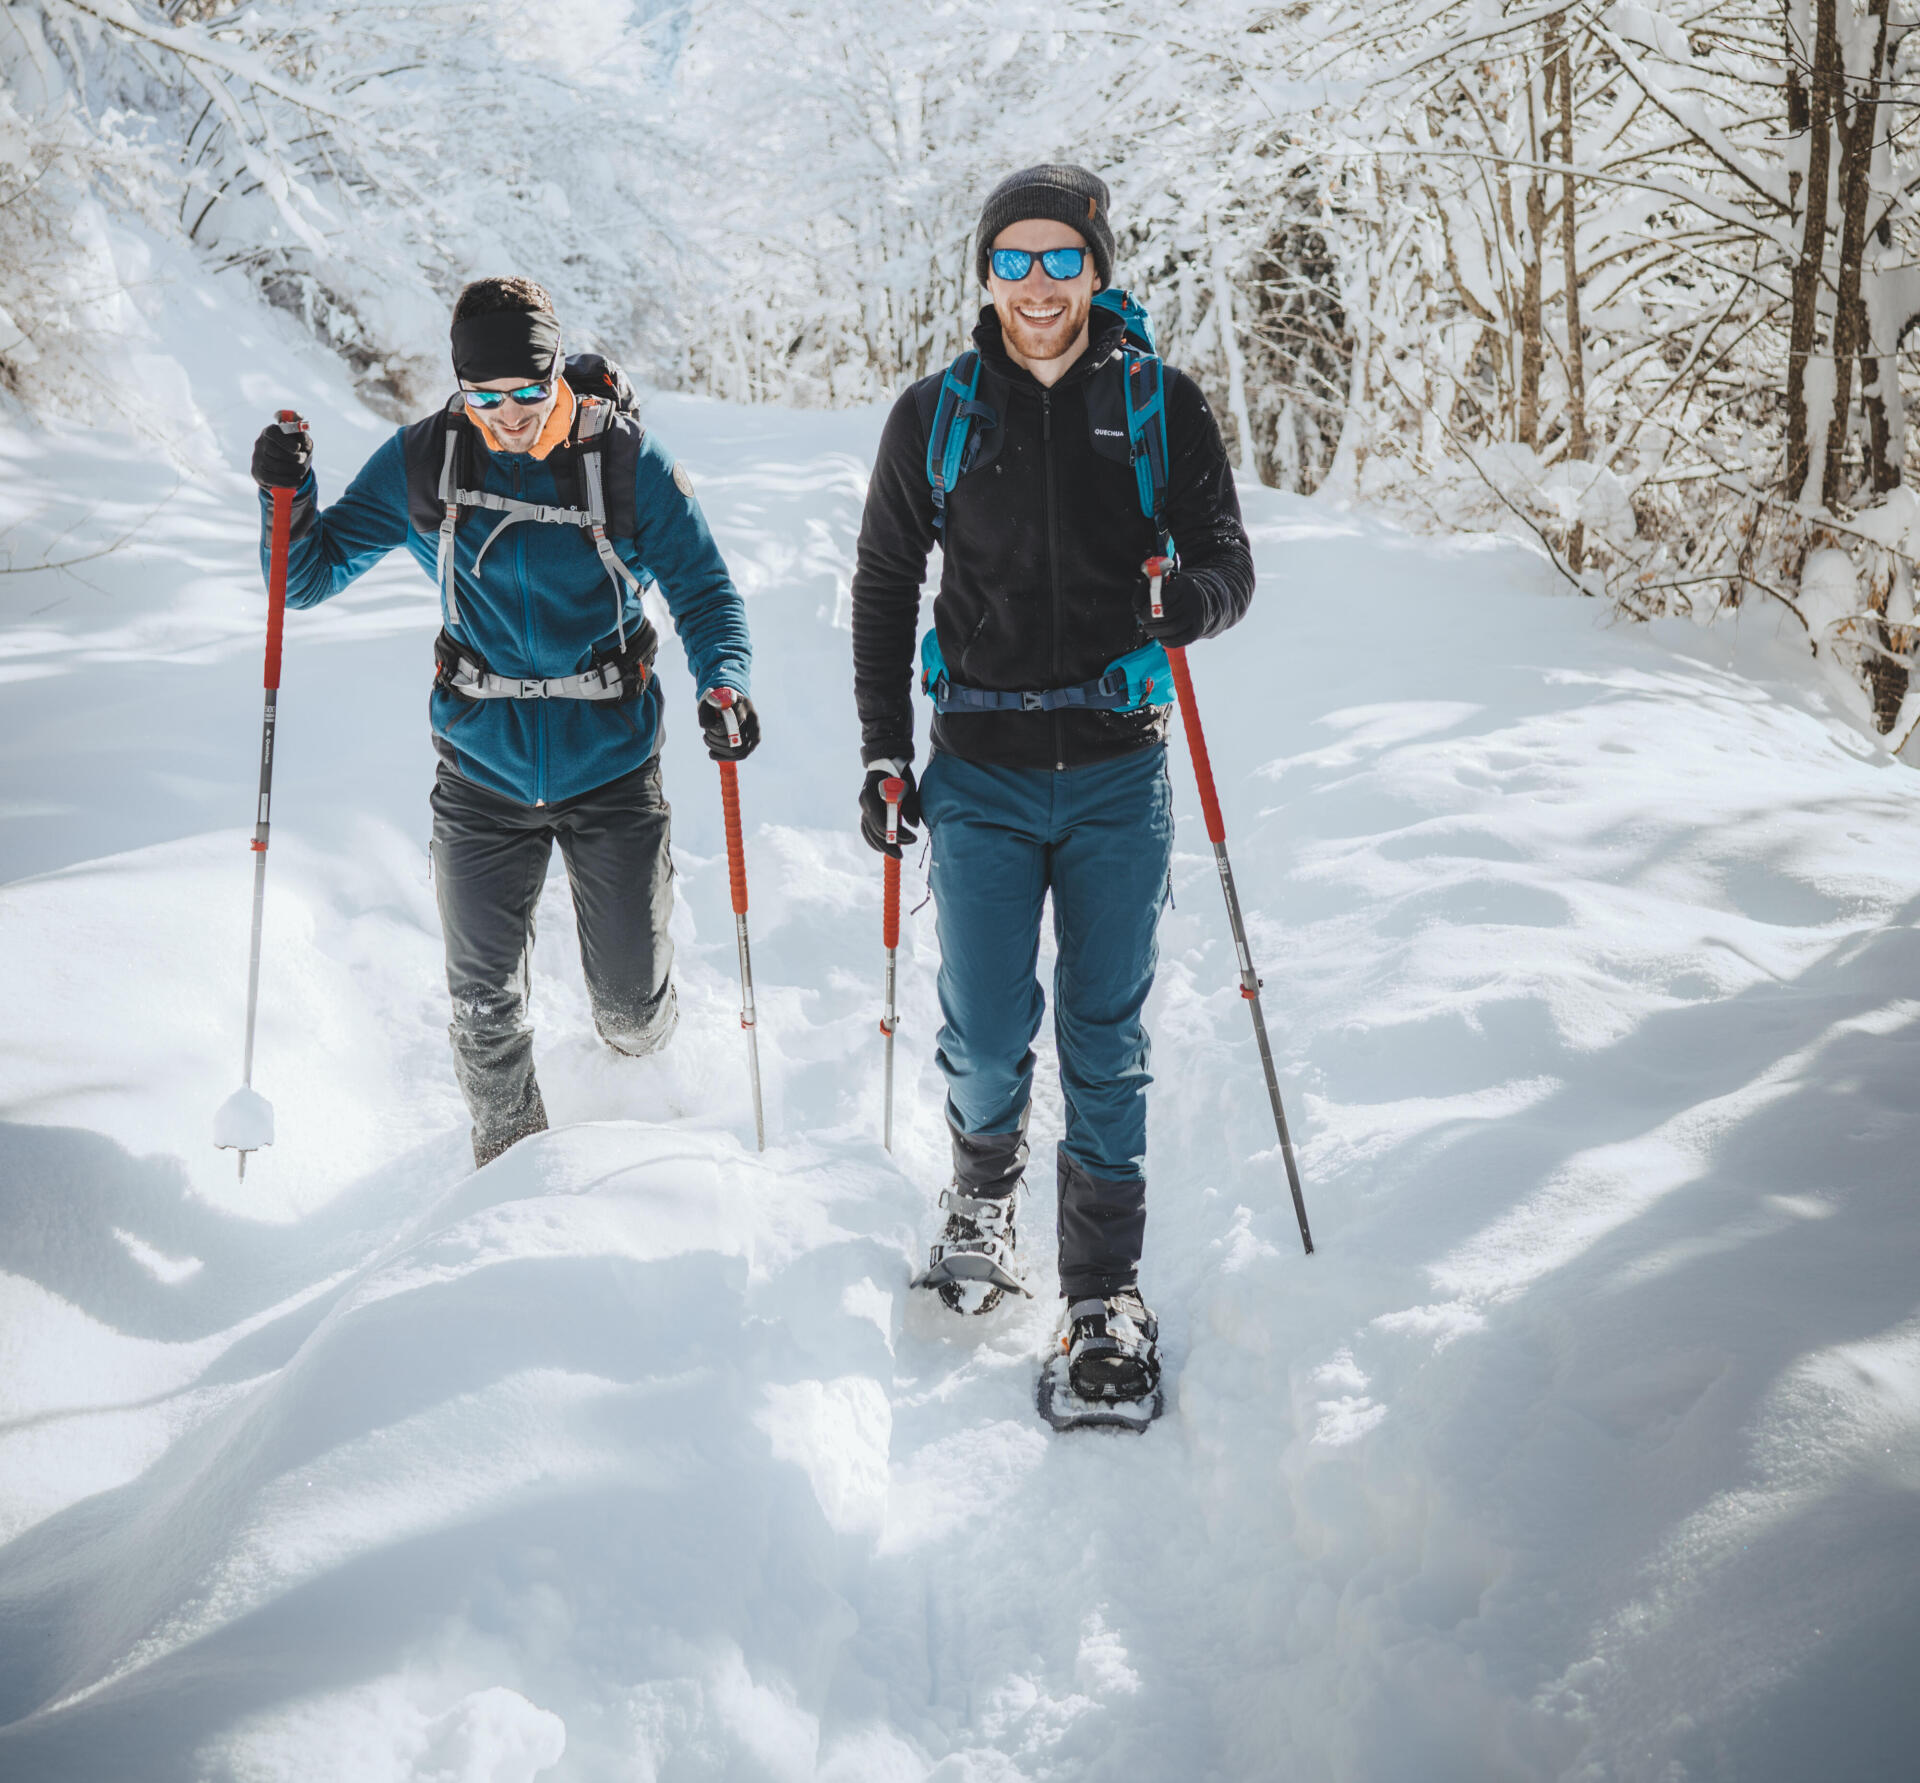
{"type": "Point", "coordinates": [277, 582]}
{"type": "Point", "coordinates": [890, 915]}
{"type": "Point", "coordinates": [736, 849]}
{"type": "Point", "coordinates": [1197, 746]}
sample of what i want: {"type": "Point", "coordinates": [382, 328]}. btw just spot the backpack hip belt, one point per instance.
{"type": "Point", "coordinates": [611, 678]}
{"type": "Point", "coordinates": [1129, 682]}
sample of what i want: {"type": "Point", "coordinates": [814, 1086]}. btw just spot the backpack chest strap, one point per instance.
{"type": "Point", "coordinates": [522, 510]}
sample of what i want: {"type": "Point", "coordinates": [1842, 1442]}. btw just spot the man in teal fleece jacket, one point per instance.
{"type": "Point", "coordinates": [541, 514]}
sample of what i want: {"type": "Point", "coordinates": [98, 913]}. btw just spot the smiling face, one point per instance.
{"type": "Point", "coordinates": [514, 426]}
{"type": "Point", "coordinates": [1043, 320]}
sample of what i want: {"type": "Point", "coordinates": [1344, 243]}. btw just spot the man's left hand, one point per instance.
{"type": "Point", "coordinates": [1183, 615]}
{"type": "Point", "coordinates": [722, 743]}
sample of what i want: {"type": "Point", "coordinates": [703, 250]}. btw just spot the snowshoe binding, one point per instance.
{"type": "Point", "coordinates": [1106, 1372]}
{"type": "Point", "coordinates": [971, 1264]}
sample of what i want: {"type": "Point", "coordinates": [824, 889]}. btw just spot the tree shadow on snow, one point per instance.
{"type": "Point", "coordinates": [1612, 1420]}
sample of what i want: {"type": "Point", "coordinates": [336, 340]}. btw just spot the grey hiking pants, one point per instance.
{"type": "Point", "coordinates": [490, 857]}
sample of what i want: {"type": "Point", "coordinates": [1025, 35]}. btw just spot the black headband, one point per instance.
{"type": "Point", "coordinates": [506, 344]}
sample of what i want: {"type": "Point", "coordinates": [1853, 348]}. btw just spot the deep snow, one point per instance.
{"type": "Point", "coordinates": [1587, 1447]}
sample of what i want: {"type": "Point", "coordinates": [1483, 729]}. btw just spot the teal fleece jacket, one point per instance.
{"type": "Point", "coordinates": [540, 605]}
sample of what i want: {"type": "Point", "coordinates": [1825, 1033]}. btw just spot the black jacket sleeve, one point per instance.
{"type": "Point", "coordinates": [896, 536]}
{"type": "Point", "coordinates": [1203, 509]}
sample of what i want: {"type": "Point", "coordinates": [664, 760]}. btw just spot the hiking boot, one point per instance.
{"type": "Point", "coordinates": [1112, 1347]}
{"type": "Point", "coordinates": [972, 1263]}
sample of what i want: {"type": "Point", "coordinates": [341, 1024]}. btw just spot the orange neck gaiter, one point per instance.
{"type": "Point", "coordinates": [559, 425]}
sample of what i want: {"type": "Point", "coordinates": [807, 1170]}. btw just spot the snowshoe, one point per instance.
{"type": "Point", "coordinates": [1106, 1372]}
{"type": "Point", "coordinates": [971, 1264]}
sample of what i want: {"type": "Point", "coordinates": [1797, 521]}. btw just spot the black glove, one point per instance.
{"type": "Point", "coordinates": [283, 454]}
{"type": "Point", "coordinates": [1183, 612]}
{"type": "Point", "coordinates": [873, 808]}
{"type": "Point", "coordinates": [721, 744]}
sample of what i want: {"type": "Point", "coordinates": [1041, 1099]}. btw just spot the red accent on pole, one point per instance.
{"type": "Point", "coordinates": [1197, 745]}
{"type": "Point", "coordinates": [736, 849]}
{"type": "Point", "coordinates": [277, 582]}
{"type": "Point", "coordinates": [890, 918]}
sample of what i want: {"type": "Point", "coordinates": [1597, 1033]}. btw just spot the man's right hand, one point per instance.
{"type": "Point", "coordinates": [873, 808]}
{"type": "Point", "coordinates": [283, 454]}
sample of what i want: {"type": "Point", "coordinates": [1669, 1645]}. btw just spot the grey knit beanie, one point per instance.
{"type": "Point", "coordinates": [1061, 194]}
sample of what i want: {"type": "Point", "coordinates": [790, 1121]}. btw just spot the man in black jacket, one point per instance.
{"type": "Point", "coordinates": [1036, 784]}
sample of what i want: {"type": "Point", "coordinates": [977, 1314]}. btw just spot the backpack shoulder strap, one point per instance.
{"type": "Point", "coordinates": [431, 450]}
{"type": "Point", "coordinates": [611, 435]}
{"type": "Point", "coordinates": [422, 445]}
{"type": "Point", "coordinates": [1146, 388]}
{"type": "Point", "coordinates": [594, 430]}
{"type": "Point", "coordinates": [952, 443]}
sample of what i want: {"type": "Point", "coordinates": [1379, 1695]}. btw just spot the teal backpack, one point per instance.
{"type": "Point", "coordinates": [953, 443]}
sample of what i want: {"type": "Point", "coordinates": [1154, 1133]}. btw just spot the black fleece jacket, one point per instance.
{"type": "Point", "coordinates": [1040, 574]}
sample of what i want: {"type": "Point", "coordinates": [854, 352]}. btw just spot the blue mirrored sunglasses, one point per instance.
{"type": "Point", "coordinates": [528, 396]}
{"type": "Point", "coordinates": [1013, 264]}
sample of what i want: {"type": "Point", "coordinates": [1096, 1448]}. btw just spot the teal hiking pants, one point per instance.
{"type": "Point", "coordinates": [1100, 840]}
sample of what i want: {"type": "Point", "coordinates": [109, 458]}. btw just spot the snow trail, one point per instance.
{"type": "Point", "coordinates": [1587, 1447]}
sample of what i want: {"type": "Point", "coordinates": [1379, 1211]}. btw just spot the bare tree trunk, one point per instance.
{"type": "Point", "coordinates": [1532, 345]}
{"type": "Point", "coordinates": [1570, 256]}
{"type": "Point", "coordinates": [1857, 124]}
{"type": "Point", "coordinates": [1883, 460]}
{"type": "Point", "coordinates": [1805, 287]}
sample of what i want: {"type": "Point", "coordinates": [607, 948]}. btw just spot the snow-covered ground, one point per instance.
{"type": "Point", "coordinates": [1587, 1447]}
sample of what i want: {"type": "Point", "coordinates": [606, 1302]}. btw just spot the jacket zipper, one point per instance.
{"type": "Point", "coordinates": [1053, 570]}
{"type": "Point", "coordinates": [526, 639]}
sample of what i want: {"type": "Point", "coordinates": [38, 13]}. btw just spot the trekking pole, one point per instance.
{"type": "Point", "coordinates": [1156, 569]}
{"type": "Point", "coordinates": [723, 697]}
{"type": "Point", "coordinates": [244, 1122]}
{"type": "Point", "coordinates": [893, 790]}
